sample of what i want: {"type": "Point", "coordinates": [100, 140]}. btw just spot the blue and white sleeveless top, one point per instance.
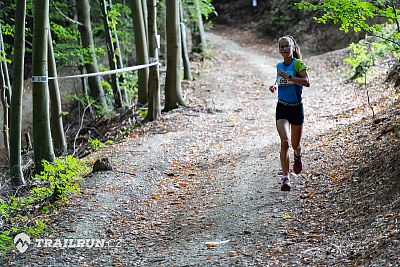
{"type": "Point", "coordinates": [288, 91]}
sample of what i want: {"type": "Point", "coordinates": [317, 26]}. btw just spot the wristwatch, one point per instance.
{"type": "Point", "coordinates": [289, 77]}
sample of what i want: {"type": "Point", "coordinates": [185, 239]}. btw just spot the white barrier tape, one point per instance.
{"type": "Point", "coordinates": [158, 41]}
{"type": "Point", "coordinates": [39, 79]}
{"type": "Point", "coordinates": [138, 67]}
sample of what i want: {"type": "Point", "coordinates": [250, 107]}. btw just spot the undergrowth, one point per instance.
{"type": "Point", "coordinates": [27, 211]}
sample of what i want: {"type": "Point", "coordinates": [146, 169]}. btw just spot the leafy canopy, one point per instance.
{"type": "Point", "coordinates": [373, 17]}
{"type": "Point", "coordinates": [379, 19]}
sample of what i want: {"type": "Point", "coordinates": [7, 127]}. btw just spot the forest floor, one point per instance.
{"type": "Point", "coordinates": [201, 186]}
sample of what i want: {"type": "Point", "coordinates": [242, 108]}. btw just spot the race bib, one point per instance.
{"type": "Point", "coordinates": [284, 82]}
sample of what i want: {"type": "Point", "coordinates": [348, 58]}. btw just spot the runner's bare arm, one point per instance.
{"type": "Point", "coordinates": [302, 80]}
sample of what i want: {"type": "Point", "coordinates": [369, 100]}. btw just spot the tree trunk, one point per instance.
{"type": "Point", "coordinates": [7, 83]}
{"type": "Point", "coordinates": [4, 91]}
{"type": "Point", "coordinates": [187, 74]}
{"type": "Point", "coordinates": [57, 128]}
{"type": "Point", "coordinates": [17, 177]}
{"type": "Point", "coordinates": [145, 19]}
{"type": "Point", "coordinates": [5, 110]}
{"type": "Point", "coordinates": [199, 40]}
{"type": "Point", "coordinates": [163, 31]}
{"type": "Point", "coordinates": [173, 93]}
{"type": "Point", "coordinates": [118, 56]}
{"type": "Point", "coordinates": [81, 66]}
{"type": "Point", "coordinates": [42, 143]}
{"type": "Point", "coordinates": [95, 89]}
{"type": "Point", "coordinates": [141, 49]}
{"type": "Point", "coordinates": [154, 108]}
{"type": "Point", "coordinates": [111, 55]}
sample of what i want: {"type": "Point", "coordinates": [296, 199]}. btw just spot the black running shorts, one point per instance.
{"type": "Point", "coordinates": [294, 114]}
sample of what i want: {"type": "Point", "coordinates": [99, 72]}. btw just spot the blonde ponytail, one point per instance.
{"type": "Point", "coordinates": [296, 50]}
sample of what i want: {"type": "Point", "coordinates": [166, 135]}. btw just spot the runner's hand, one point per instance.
{"type": "Point", "coordinates": [273, 88]}
{"type": "Point", "coordinates": [283, 74]}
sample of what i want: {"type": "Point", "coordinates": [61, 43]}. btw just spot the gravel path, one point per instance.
{"type": "Point", "coordinates": [199, 188]}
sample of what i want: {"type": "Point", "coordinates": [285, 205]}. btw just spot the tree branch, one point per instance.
{"type": "Point", "coordinates": [80, 127]}
{"type": "Point", "coordinates": [65, 16]}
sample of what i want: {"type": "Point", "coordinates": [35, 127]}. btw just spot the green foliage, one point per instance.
{"type": "Point", "coordinates": [206, 9]}
{"type": "Point", "coordinates": [64, 114]}
{"type": "Point", "coordinates": [7, 21]}
{"type": "Point", "coordinates": [5, 30]}
{"type": "Point", "coordinates": [82, 98]}
{"type": "Point", "coordinates": [34, 230]}
{"type": "Point", "coordinates": [360, 61]}
{"type": "Point", "coordinates": [360, 15]}
{"type": "Point", "coordinates": [67, 50]}
{"type": "Point", "coordinates": [142, 112]}
{"type": "Point", "coordinates": [5, 241]}
{"type": "Point", "coordinates": [106, 86]}
{"type": "Point", "coordinates": [281, 17]}
{"type": "Point", "coordinates": [349, 13]}
{"type": "Point", "coordinates": [377, 18]}
{"type": "Point", "coordinates": [95, 144]}
{"type": "Point", "coordinates": [364, 57]}
{"type": "Point", "coordinates": [65, 36]}
{"type": "Point", "coordinates": [58, 180]}
{"type": "Point", "coordinates": [130, 84]}
{"type": "Point", "coordinates": [85, 100]}
{"type": "Point", "coordinates": [64, 33]}
{"type": "Point", "coordinates": [119, 16]}
{"type": "Point", "coordinates": [279, 21]}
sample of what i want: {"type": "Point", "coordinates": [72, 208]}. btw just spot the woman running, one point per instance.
{"type": "Point", "coordinates": [291, 77]}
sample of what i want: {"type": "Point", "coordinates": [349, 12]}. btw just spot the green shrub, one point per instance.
{"type": "Point", "coordinates": [57, 181]}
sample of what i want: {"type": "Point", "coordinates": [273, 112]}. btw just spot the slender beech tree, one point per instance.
{"type": "Point", "coordinates": [162, 11]}
{"type": "Point", "coordinates": [118, 57]}
{"type": "Point", "coordinates": [5, 94]}
{"type": "Point", "coordinates": [145, 19]}
{"type": "Point", "coordinates": [17, 177]}
{"type": "Point", "coordinates": [187, 73]}
{"type": "Point", "coordinates": [42, 143]}
{"type": "Point", "coordinates": [57, 128]}
{"type": "Point", "coordinates": [81, 65]}
{"type": "Point", "coordinates": [173, 91]}
{"type": "Point", "coordinates": [141, 49]}
{"type": "Point", "coordinates": [111, 55]}
{"type": "Point", "coordinates": [4, 103]}
{"type": "Point", "coordinates": [7, 83]}
{"type": "Point", "coordinates": [198, 36]}
{"type": "Point", "coordinates": [154, 108]}
{"type": "Point", "coordinates": [95, 89]}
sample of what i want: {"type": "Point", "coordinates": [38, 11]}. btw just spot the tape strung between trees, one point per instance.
{"type": "Point", "coordinates": [40, 79]}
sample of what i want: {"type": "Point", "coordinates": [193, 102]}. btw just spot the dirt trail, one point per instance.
{"type": "Point", "coordinates": [207, 173]}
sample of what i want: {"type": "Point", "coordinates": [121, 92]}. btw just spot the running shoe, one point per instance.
{"type": "Point", "coordinates": [297, 165]}
{"type": "Point", "coordinates": [285, 184]}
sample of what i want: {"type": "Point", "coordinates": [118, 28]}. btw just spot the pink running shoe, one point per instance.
{"type": "Point", "coordinates": [285, 184]}
{"type": "Point", "coordinates": [297, 165]}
